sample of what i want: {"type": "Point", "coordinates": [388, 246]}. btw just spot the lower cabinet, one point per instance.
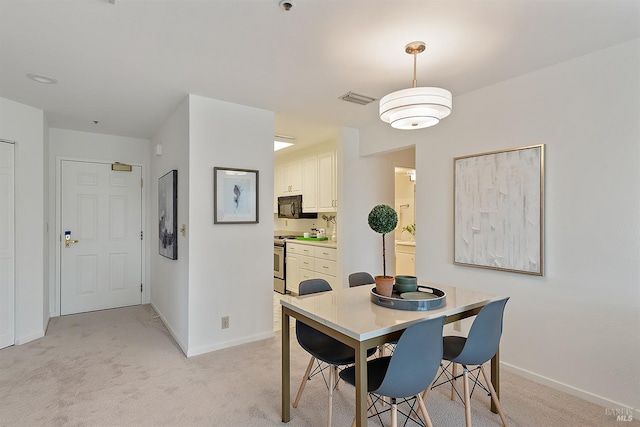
{"type": "Point", "coordinates": [310, 262]}
{"type": "Point", "coordinates": [405, 260]}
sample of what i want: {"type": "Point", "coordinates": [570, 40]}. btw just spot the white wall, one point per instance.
{"type": "Point", "coordinates": [170, 278]}
{"type": "Point", "coordinates": [69, 144]}
{"type": "Point", "coordinates": [230, 265]}
{"type": "Point", "coordinates": [363, 183]}
{"type": "Point", "coordinates": [26, 126]}
{"type": "Point", "coordinates": [576, 328]}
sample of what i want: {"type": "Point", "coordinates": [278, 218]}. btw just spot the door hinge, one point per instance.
{"type": "Point", "coordinates": [140, 287]}
{"type": "Point", "coordinates": [141, 235]}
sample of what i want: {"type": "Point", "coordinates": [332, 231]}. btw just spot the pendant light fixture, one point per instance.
{"type": "Point", "coordinates": [416, 107]}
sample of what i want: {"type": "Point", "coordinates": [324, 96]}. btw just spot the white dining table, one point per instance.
{"type": "Point", "coordinates": [350, 316]}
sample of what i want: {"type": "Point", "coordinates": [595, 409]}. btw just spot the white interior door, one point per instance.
{"type": "Point", "coordinates": [7, 251]}
{"type": "Point", "coordinates": [101, 242]}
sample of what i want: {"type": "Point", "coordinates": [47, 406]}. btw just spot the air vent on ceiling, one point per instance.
{"type": "Point", "coordinates": [356, 98]}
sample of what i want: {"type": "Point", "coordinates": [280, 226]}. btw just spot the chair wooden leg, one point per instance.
{"type": "Point", "coordinates": [423, 409]}
{"type": "Point", "coordinates": [453, 378]}
{"type": "Point", "coordinates": [394, 414]}
{"type": "Point", "coordinates": [305, 378]}
{"type": "Point", "coordinates": [494, 396]}
{"type": "Point", "coordinates": [426, 391]}
{"type": "Point", "coordinates": [467, 398]}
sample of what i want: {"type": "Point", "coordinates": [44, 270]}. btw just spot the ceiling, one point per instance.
{"type": "Point", "coordinates": [130, 64]}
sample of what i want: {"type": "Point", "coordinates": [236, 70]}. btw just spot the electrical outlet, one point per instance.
{"type": "Point", "coordinates": [225, 322]}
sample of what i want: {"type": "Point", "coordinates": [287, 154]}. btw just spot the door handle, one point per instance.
{"type": "Point", "coordinates": [67, 243]}
{"type": "Point", "coordinates": [67, 239]}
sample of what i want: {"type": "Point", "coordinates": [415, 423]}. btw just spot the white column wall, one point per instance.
{"type": "Point", "coordinates": [578, 327]}
{"type": "Point", "coordinates": [230, 265]}
{"type": "Point", "coordinates": [170, 278]}
{"type": "Point", "coordinates": [25, 125]}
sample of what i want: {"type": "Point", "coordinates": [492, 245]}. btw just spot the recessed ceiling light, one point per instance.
{"type": "Point", "coordinates": [42, 79]}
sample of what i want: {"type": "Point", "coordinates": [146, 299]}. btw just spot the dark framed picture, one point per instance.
{"type": "Point", "coordinates": [235, 196]}
{"type": "Point", "coordinates": [168, 214]}
{"type": "Point", "coordinates": [499, 210]}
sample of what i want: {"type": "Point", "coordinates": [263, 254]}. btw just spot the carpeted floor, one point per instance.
{"type": "Point", "coordinates": [122, 368]}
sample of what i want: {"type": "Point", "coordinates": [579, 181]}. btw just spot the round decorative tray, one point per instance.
{"type": "Point", "coordinates": [424, 299]}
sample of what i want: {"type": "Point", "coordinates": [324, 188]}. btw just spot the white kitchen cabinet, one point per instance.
{"type": "Point", "coordinates": [310, 262]}
{"type": "Point", "coordinates": [310, 184]}
{"type": "Point", "coordinates": [314, 177]}
{"type": "Point", "coordinates": [276, 187]}
{"type": "Point", "coordinates": [327, 182]}
{"type": "Point", "coordinates": [293, 273]}
{"type": "Point", "coordinates": [405, 259]}
{"type": "Point", "coordinates": [290, 178]}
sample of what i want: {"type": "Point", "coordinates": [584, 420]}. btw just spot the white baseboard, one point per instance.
{"type": "Point", "coordinates": [182, 346]}
{"type": "Point", "coordinates": [227, 344]}
{"type": "Point", "coordinates": [573, 391]}
{"type": "Point", "coordinates": [28, 338]}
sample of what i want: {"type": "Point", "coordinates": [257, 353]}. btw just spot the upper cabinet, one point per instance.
{"type": "Point", "coordinates": [291, 178]}
{"type": "Point", "coordinates": [327, 194]}
{"type": "Point", "coordinates": [313, 176]}
{"type": "Point", "coordinates": [310, 184]}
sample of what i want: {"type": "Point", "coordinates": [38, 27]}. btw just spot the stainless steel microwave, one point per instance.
{"type": "Point", "coordinates": [291, 207]}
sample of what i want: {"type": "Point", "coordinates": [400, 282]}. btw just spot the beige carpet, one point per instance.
{"type": "Point", "coordinates": [122, 368]}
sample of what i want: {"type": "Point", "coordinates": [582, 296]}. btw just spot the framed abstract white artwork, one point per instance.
{"type": "Point", "coordinates": [498, 205]}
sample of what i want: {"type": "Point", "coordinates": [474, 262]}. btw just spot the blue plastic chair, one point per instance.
{"type": "Point", "coordinates": [360, 278]}
{"type": "Point", "coordinates": [322, 347]}
{"type": "Point", "coordinates": [405, 374]}
{"type": "Point", "coordinates": [476, 349]}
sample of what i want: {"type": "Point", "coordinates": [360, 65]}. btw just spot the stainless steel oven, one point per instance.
{"type": "Point", "coordinates": [279, 284]}
{"type": "Point", "coordinates": [280, 263]}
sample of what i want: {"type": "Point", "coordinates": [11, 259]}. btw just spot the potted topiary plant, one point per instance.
{"type": "Point", "coordinates": [383, 219]}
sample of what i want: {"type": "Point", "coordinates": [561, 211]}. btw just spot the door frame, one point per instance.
{"type": "Point", "coordinates": [55, 301]}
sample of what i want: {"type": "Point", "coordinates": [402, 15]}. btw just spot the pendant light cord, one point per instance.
{"type": "Point", "coordinates": [415, 56]}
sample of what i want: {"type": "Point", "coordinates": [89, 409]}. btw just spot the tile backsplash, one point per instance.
{"type": "Point", "coordinates": [302, 225]}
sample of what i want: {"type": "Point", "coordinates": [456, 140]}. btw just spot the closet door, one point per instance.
{"type": "Point", "coordinates": [7, 250]}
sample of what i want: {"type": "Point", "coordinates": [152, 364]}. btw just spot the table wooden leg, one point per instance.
{"type": "Point", "coordinates": [495, 378]}
{"type": "Point", "coordinates": [361, 385]}
{"type": "Point", "coordinates": [286, 369]}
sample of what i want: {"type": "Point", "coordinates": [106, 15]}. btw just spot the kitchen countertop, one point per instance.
{"type": "Point", "coordinates": [322, 243]}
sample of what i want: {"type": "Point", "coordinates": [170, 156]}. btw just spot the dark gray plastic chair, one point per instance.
{"type": "Point", "coordinates": [405, 374]}
{"type": "Point", "coordinates": [476, 349]}
{"type": "Point", "coordinates": [322, 347]}
{"type": "Point", "coordinates": [360, 278]}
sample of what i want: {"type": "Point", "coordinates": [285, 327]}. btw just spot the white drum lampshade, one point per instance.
{"type": "Point", "coordinates": [416, 107]}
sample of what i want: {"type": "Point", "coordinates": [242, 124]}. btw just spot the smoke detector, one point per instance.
{"type": "Point", "coordinates": [286, 5]}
